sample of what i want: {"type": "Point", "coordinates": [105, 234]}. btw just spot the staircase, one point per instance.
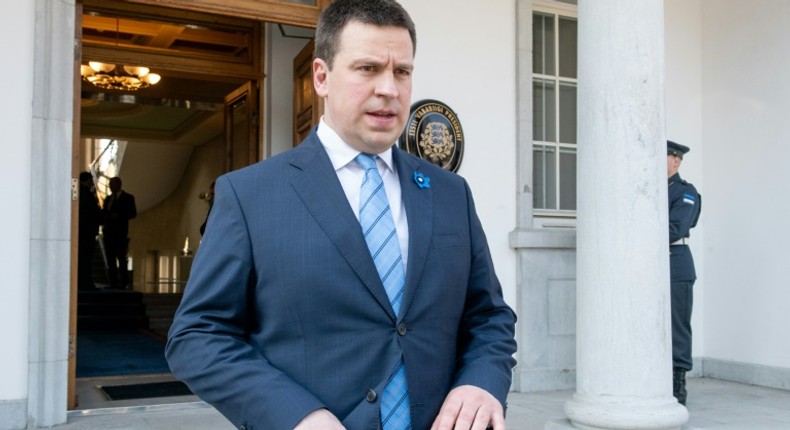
{"type": "Point", "coordinates": [99, 269]}
{"type": "Point", "coordinates": [160, 309]}
{"type": "Point", "coordinates": [111, 309]}
{"type": "Point", "coordinates": [107, 309]}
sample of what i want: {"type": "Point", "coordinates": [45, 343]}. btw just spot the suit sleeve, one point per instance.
{"type": "Point", "coordinates": [208, 344]}
{"type": "Point", "coordinates": [487, 332]}
{"type": "Point", "coordinates": [131, 211]}
{"type": "Point", "coordinates": [683, 211]}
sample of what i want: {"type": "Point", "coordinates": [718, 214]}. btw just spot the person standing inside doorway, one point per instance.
{"type": "Point", "coordinates": [684, 210]}
{"type": "Point", "coordinates": [89, 219]}
{"type": "Point", "coordinates": [119, 208]}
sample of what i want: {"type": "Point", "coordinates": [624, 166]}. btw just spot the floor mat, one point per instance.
{"type": "Point", "coordinates": [144, 391]}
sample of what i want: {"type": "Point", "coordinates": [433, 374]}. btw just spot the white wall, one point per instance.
{"type": "Point", "coordinates": [466, 57]}
{"type": "Point", "coordinates": [16, 28]}
{"type": "Point", "coordinates": [683, 37]}
{"type": "Point", "coordinates": [151, 171]}
{"type": "Point", "coordinates": [746, 105]}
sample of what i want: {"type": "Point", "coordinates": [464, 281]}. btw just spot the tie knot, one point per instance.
{"type": "Point", "coordinates": [367, 161]}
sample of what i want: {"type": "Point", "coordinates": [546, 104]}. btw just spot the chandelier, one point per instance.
{"type": "Point", "coordinates": [112, 77]}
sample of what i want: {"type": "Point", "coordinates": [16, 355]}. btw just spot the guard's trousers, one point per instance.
{"type": "Point", "coordinates": [682, 302]}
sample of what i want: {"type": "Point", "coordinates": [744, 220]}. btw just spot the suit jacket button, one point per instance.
{"type": "Point", "coordinates": [371, 396]}
{"type": "Point", "coordinates": [402, 329]}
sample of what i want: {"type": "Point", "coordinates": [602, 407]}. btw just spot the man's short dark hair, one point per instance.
{"type": "Point", "coordinates": [380, 13]}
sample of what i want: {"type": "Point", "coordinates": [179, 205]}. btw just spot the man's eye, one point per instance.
{"type": "Point", "coordinates": [366, 68]}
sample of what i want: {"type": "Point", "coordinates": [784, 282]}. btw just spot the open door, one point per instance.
{"type": "Point", "coordinates": [241, 127]}
{"type": "Point", "coordinates": [308, 107]}
{"type": "Point", "coordinates": [71, 391]}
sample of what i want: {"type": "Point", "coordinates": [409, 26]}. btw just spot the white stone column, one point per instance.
{"type": "Point", "coordinates": [50, 207]}
{"type": "Point", "coordinates": [623, 359]}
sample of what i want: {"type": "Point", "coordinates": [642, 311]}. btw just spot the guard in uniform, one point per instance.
{"type": "Point", "coordinates": [684, 209]}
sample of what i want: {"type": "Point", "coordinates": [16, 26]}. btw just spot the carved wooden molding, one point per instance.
{"type": "Point", "coordinates": [277, 11]}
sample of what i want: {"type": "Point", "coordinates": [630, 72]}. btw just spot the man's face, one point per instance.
{"type": "Point", "coordinates": [115, 185]}
{"type": "Point", "coordinates": [673, 165]}
{"type": "Point", "coordinates": [368, 91]}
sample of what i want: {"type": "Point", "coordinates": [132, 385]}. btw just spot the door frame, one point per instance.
{"type": "Point", "coordinates": [307, 106]}
{"type": "Point", "coordinates": [248, 94]}
{"type": "Point", "coordinates": [274, 11]}
{"type": "Point", "coordinates": [51, 392]}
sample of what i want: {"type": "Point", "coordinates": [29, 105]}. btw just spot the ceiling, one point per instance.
{"type": "Point", "coordinates": [186, 105]}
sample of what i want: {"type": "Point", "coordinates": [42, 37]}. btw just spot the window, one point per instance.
{"type": "Point", "coordinates": [107, 156]}
{"type": "Point", "coordinates": [554, 84]}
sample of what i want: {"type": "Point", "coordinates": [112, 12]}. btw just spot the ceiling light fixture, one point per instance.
{"type": "Point", "coordinates": [109, 76]}
{"type": "Point", "coordinates": [113, 77]}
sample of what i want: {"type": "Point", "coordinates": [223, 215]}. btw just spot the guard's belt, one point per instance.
{"type": "Point", "coordinates": [681, 241]}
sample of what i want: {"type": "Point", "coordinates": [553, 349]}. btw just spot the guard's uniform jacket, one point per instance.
{"type": "Point", "coordinates": [684, 209]}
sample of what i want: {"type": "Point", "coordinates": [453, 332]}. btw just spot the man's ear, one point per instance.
{"type": "Point", "coordinates": [320, 77]}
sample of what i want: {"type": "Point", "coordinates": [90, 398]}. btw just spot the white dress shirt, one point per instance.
{"type": "Point", "coordinates": [351, 175]}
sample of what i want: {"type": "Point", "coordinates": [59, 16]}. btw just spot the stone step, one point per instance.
{"type": "Point", "coordinates": [106, 309]}
{"type": "Point", "coordinates": [110, 322]}
{"type": "Point", "coordinates": [114, 309]}
{"type": "Point", "coordinates": [160, 309]}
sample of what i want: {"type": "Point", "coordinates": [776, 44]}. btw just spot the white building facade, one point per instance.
{"type": "Point", "coordinates": [721, 91]}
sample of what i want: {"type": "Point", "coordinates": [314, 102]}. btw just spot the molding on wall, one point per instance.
{"type": "Point", "coordinates": [543, 239]}
{"type": "Point", "coordinates": [13, 414]}
{"type": "Point", "coordinates": [547, 303]}
{"type": "Point", "coordinates": [696, 369]}
{"type": "Point", "coordinates": [533, 380]}
{"type": "Point", "coordinates": [537, 380]}
{"type": "Point", "coordinates": [747, 373]}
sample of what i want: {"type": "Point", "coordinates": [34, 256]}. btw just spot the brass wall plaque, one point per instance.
{"type": "Point", "coordinates": [433, 133]}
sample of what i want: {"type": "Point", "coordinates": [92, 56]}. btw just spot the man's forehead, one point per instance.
{"type": "Point", "coordinates": [354, 31]}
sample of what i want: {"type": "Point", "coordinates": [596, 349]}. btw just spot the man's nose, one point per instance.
{"type": "Point", "coordinates": [385, 85]}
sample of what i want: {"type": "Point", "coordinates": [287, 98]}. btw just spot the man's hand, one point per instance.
{"type": "Point", "coordinates": [470, 408]}
{"type": "Point", "coordinates": [320, 419]}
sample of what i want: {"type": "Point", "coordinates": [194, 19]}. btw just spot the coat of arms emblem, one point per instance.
{"type": "Point", "coordinates": [434, 134]}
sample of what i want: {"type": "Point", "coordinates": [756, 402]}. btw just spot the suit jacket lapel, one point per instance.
{"type": "Point", "coordinates": [419, 212]}
{"type": "Point", "coordinates": [321, 193]}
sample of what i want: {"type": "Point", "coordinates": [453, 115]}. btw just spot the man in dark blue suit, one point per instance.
{"type": "Point", "coordinates": [684, 209]}
{"type": "Point", "coordinates": [119, 207]}
{"type": "Point", "coordinates": [288, 321]}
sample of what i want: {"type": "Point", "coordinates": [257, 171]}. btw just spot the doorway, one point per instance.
{"type": "Point", "coordinates": [169, 140]}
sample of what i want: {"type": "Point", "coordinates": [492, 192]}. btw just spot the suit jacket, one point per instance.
{"type": "Point", "coordinates": [117, 211]}
{"type": "Point", "coordinates": [285, 313]}
{"type": "Point", "coordinates": [90, 214]}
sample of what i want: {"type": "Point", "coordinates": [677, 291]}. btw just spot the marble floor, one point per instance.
{"type": "Point", "coordinates": [712, 404]}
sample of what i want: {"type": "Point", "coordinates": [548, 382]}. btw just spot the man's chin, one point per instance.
{"type": "Point", "coordinates": [381, 141]}
{"type": "Point", "coordinates": [378, 147]}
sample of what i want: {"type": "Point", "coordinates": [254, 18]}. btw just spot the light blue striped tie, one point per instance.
{"type": "Point", "coordinates": [379, 230]}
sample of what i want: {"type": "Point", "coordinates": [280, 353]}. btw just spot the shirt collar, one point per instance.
{"type": "Point", "coordinates": [340, 153]}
